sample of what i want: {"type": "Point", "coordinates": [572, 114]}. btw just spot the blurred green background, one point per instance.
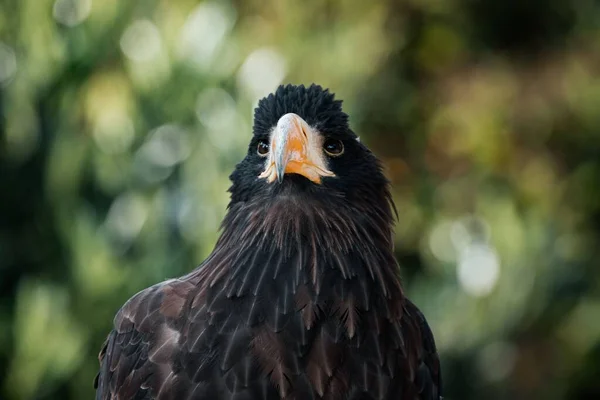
{"type": "Point", "coordinates": [121, 120]}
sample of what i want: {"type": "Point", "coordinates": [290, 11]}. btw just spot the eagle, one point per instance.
{"type": "Point", "coordinates": [301, 296]}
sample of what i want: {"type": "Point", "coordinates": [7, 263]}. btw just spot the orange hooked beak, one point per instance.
{"type": "Point", "coordinates": [295, 149]}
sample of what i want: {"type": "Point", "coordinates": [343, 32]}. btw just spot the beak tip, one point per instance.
{"type": "Point", "coordinates": [280, 174]}
{"type": "Point", "coordinates": [280, 165]}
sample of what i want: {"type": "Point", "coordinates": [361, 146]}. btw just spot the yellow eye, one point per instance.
{"type": "Point", "coordinates": [333, 147]}
{"type": "Point", "coordinates": [263, 148]}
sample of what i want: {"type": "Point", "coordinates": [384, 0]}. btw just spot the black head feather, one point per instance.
{"type": "Point", "coordinates": [359, 176]}
{"type": "Point", "coordinates": [315, 105]}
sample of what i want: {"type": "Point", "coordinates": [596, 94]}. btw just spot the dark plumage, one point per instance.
{"type": "Point", "coordinates": [300, 299]}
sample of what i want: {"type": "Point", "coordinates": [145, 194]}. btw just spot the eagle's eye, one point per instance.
{"type": "Point", "coordinates": [334, 147]}
{"type": "Point", "coordinates": [263, 147]}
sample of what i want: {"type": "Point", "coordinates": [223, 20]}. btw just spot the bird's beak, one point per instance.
{"type": "Point", "coordinates": [295, 149]}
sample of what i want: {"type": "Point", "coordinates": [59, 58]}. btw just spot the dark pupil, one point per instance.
{"type": "Point", "coordinates": [333, 146]}
{"type": "Point", "coordinates": [263, 147]}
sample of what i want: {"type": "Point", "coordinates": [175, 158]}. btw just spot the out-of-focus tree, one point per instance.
{"type": "Point", "coordinates": [120, 122]}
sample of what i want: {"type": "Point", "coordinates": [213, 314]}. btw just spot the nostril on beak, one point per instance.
{"type": "Point", "coordinates": [304, 133]}
{"type": "Point", "coordinates": [300, 127]}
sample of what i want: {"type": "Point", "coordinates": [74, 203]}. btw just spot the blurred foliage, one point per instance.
{"type": "Point", "coordinates": [121, 120]}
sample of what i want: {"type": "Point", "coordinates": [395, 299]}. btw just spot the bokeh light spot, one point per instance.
{"type": "Point", "coordinates": [478, 269]}
{"type": "Point", "coordinates": [8, 63]}
{"type": "Point", "coordinates": [113, 132]}
{"type": "Point", "coordinates": [204, 32]}
{"type": "Point", "coordinates": [141, 41]}
{"type": "Point", "coordinates": [71, 12]}
{"type": "Point", "coordinates": [440, 242]}
{"type": "Point", "coordinates": [261, 72]}
{"type": "Point", "coordinates": [166, 146]}
{"type": "Point", "coordinates": [126, 217]}
{"type": "Point", "coordinates": [217, 111]}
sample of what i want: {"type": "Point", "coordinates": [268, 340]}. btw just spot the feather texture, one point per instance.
{"type": "Point", "coordinates": [265, 330]}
